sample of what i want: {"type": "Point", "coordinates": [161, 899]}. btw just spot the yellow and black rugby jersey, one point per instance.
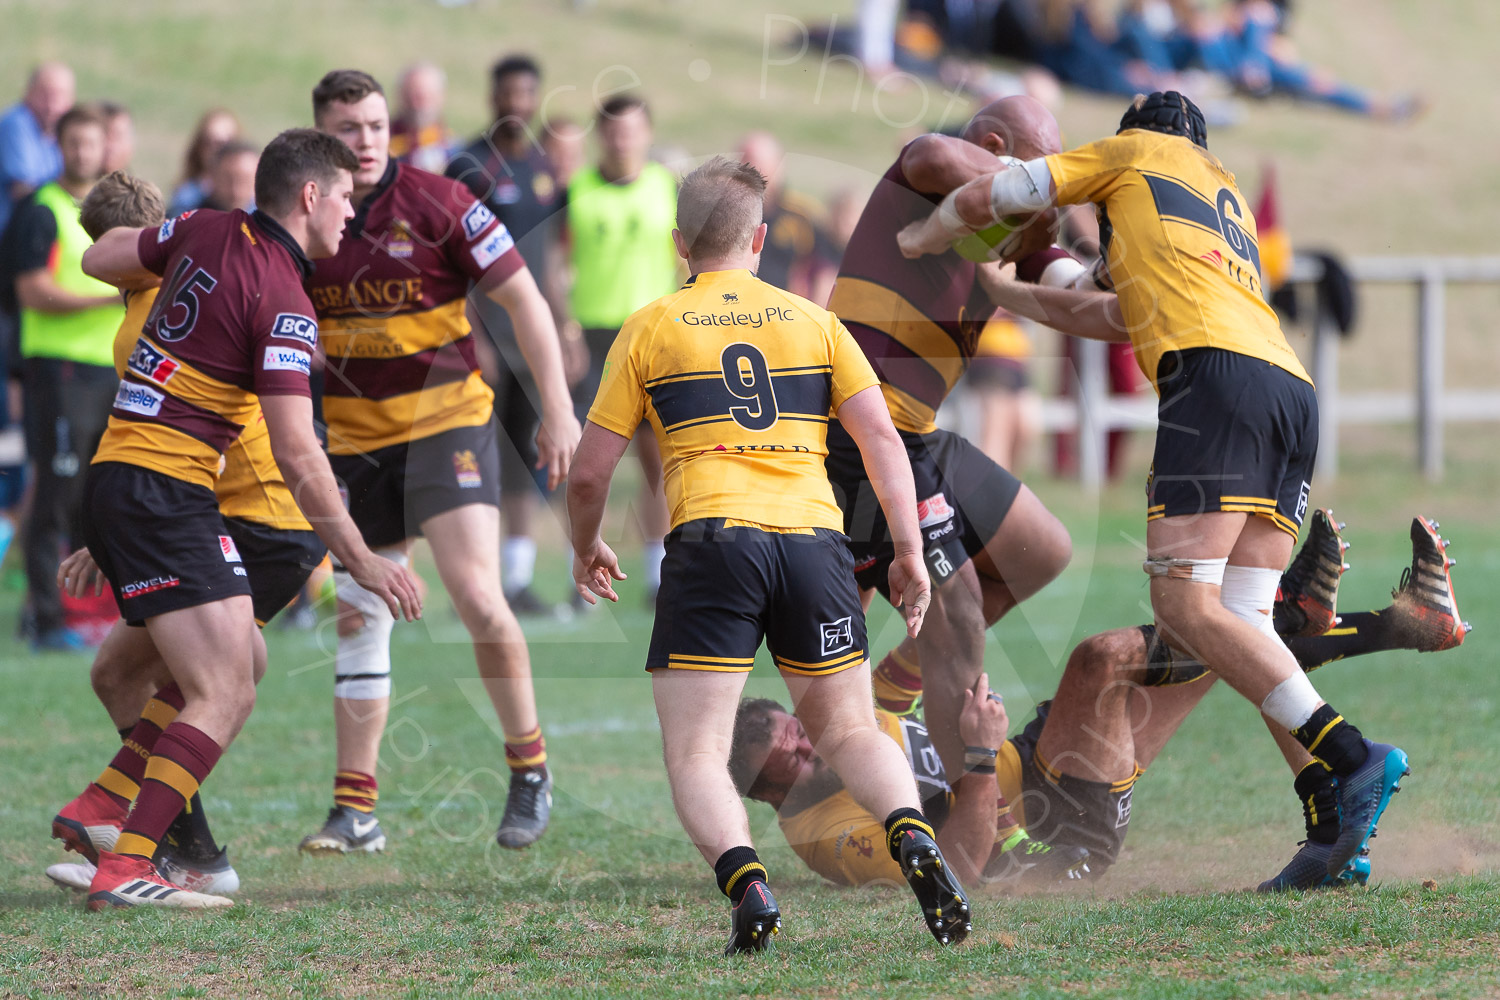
{"type": "Point", "coordinates": [230, 324]}
{"type": "Point", "coordinates": [737, 378]}
{"type": "Point", "coordinates": [401, 363]}
{"type": "Point", "coordinates": [249, 486]}
{"type": "Point", "coordinates": [1181, 246]}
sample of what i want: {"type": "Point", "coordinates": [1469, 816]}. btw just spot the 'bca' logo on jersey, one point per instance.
{"type": "Point", "coordinates": [838, 636]}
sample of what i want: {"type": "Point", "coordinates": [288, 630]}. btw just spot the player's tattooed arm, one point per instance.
{"type": "Point", "coordinates": [594, 563]}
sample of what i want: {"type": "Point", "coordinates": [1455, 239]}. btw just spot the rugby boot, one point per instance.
{"type": "Point", "coordinates": [122, 880]}
{"type": "Point", "coordinates": [1423, 609]}
{"type": "Point", "coordinates": [1032, 863]}
{"type": "Point", "coordinates": [1362, 798]}
{"type": "Point", "coordinates": [945, 907]}
{"type": "Point", "coordinates": [528, 807]}
{"type": "Point", "coordinates": [345, 831]}
{"type": "Point", "coordinates": [89, 824]}
{"type": "Point", "coordinates": [213, 874]}
{"type": "Point", "coordinates": [1308, 869]}
{"type": "Point", "coordinates": [755, 921]}
{"type": "Point", "coordinates": [1307, 599]}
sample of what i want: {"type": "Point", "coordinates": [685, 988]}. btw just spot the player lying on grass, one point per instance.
{"type": "Point", "coordinates": [737, 379]}
{"type": "Point", "coordinates": [1124, 693]}
{"type": "Point", "coordinates": [773, 761]}
{"type": "Point", "coordinates": [230, 331]}
{"type": "Point", "coordinates": [279, 551]}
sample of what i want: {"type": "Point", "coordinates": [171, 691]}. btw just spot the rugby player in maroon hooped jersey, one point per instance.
{"type": "Point", "coordinates": [231, 327]}
{"type": "Point", "coordinates": [412, 436]}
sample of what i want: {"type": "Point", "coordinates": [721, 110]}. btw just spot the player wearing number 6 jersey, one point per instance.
{"type": "Point", "coordinates": [737, 379]}
{"type": "Point", "coordinates": [1238, 416]}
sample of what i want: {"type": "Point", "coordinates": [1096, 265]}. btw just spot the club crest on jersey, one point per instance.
{"type": "Point", "coordinates": [476, 220]}
{"type": "Point", "coordinates": [228, 550]}
{"type": "Point", "coordinates": [147, 361]}
{"type": "Point", "coordinates": [495, 244]}
{"type": "Point", "coordinates": [933, 510]}
{"type": "Point", "coordinates": [466, 470]}
{"type": "Point", "coordinates": [400, 243]}
{"type": "Point", "coordinates": [838, 636]}
{"type": "Point", "coordinates": [132, 398]}
{"type": "Point", "coordinates": [165, 232]}
{"type": "Point", "coordinates": [295, 326]}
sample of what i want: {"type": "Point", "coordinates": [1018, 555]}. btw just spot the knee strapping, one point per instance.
{"type": "Point", "coordinates": [362, 666]}
{"type": "Point", "coordinates": [1196, 570]}
{"type": "Point", "coordinates": [1250, 594]}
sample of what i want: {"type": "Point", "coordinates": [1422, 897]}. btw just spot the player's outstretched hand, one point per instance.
{"type": "Point", "coordinates": [556, 442]}
{"type": "Point", "coordinates": [911, 590]}
{"type": "Point", "coordinates": [79, 574]}
{"type": "Point", "coordinates": [394, 584]}
{"type": "Point", "coordinates": [982, 721]}
{"type": "Point", "coordinates": [593, 570]}
{"type": "Point", "coordinates": [924, 236]}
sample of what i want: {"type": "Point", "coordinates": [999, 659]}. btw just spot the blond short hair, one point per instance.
{"type": "Point", "coordinates": [121, 200]}
{"type": "Point", "coordinates": [719, 206]}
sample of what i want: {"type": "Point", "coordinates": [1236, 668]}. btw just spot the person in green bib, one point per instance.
{"type": "Point", "coordinates": [617, 217]}
{"type": "Point", "coordinates": [67, 328]}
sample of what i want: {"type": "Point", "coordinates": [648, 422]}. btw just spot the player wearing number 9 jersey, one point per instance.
{"type": "Point", "coordinates": [737, 379]}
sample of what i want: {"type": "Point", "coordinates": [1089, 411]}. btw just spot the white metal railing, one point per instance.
{"type": "Point", "coordinates": [1431, 405]}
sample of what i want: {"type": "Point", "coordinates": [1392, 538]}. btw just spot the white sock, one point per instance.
{"type": "Point", "coordinates": [654, 553]}
{"type": "Point", "coordinates": [517, 562]}
{"type": "Point", "coordinates": [1292, 702]}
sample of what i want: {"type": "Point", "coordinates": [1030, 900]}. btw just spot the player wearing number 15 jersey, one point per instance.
{"type": "Point", "coordinates": [737, 380]}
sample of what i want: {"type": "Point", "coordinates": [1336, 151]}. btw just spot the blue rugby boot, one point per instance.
{"type": "Point", "coordinates": [1363, 797]}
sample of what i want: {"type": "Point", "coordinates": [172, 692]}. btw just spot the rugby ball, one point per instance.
{"type": "Point", "coordinates": [988, 244]}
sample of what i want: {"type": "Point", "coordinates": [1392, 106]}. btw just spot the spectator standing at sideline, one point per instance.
{"type": "Point", "coordinates": [215, 128]}
{"type": "Point", "coordinates": [419, 135]}
{"type": "Point", "coordinates": [119, 136]}
{"type": "Point", "coordinates": [618, 217]}
{"type": "Point", "coordinates": [506, 169]}
{"type": "Point", "coordinates": [29, 156]}
{"type": "Point", "coordinates": [68, 323]}
{"type": "Point", "coordinates": [232, 180]}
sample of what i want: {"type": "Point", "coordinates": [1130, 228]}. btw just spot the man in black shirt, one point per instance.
{"type": "Point", "coordinates": [507, 170]}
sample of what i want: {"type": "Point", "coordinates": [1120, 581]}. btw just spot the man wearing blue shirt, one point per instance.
{"type": "Point", "coordinates": [28, 148]}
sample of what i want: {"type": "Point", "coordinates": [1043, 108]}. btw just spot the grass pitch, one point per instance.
{"type": "Point", "coordinates": [613, 901]}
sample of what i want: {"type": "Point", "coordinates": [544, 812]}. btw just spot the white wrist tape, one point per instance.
{"type": "Point", "coordinates": [1196, 570]}
{"type": "Point", "coordinates": [1063, 273]}
{"type": "Point", "coordinates": [1292, 702]}
{"type": "Point", "coordinates": [948, 217]}
{"type": "Point", "coordinates": [1018, 190]}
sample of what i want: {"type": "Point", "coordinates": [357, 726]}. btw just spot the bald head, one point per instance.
{"type": "Point", "coordinates": [1015, 126]}
{"type": "Point", "coordinates": [764, 153]}
{"type": "Point", "coordinates": [50, 91]}
{"type": "Point", "coordinates": [423, 90]}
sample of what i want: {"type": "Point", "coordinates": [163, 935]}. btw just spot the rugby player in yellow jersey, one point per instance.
{"type": "Point", "coordinates": [278, 547]}
{"type": "Point", "coordinates": [412, 437]}
{"type": "Point", "coordinates": [1238, 433]}
{"type": "Point", "coordinates": [737, 379]}
{"type": "Point", "coordinates": [230, 331]}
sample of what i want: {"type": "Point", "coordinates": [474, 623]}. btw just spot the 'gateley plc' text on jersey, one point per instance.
{"type": "Point", "coordinates": [737, 378]}
{"type": "Point", "coordinates": [401, 363]}
{"type": "Point", "coordinates": [229, 324]}
{"type": "Point", "coordinates": [1182, 247]}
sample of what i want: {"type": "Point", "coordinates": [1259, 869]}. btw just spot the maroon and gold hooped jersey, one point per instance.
{"type": "Point", "coordinates": [918, 321]}
{"type": "Point", "coordinates": [401, 363]}
{"type": "Point", "coordinates": [230, 324]}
